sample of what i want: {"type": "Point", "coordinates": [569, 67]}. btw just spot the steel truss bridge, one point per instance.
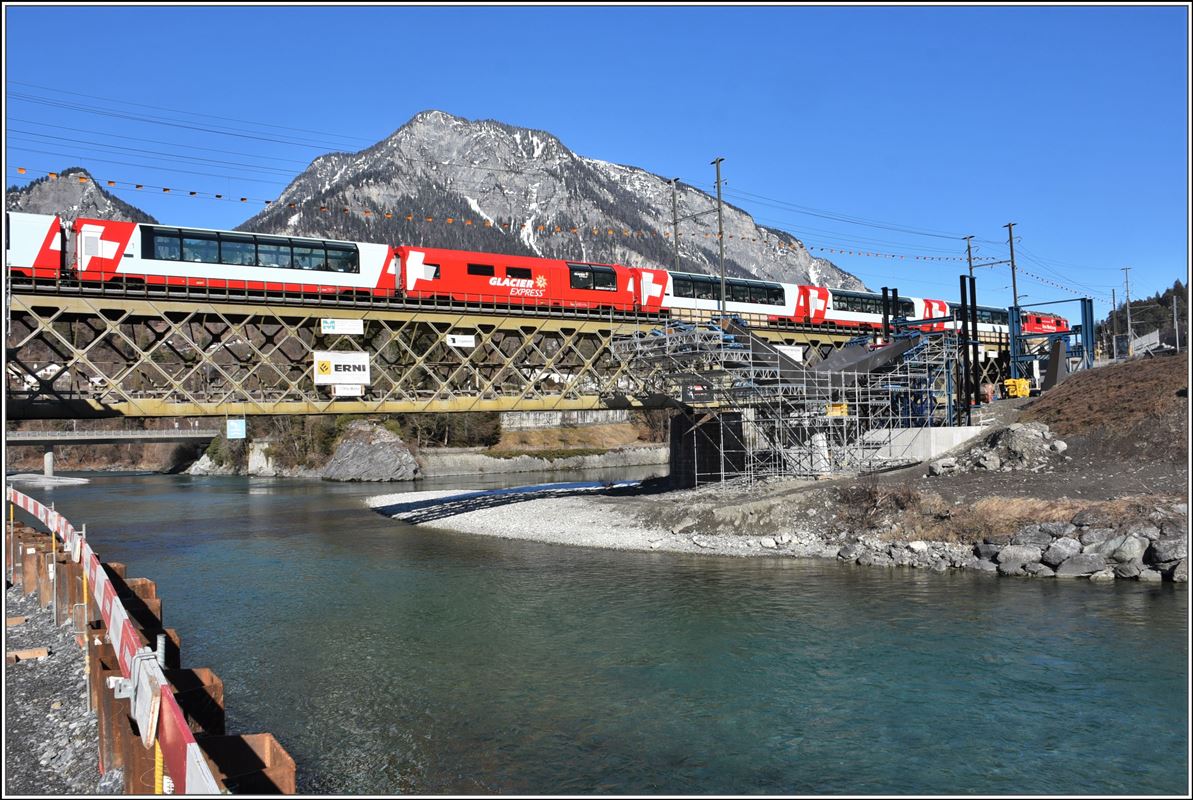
{"type": "Point", "coordinates": [79, 353]}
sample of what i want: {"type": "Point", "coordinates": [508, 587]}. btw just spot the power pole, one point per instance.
{"type": "Point", "coordinates": [1176, 328]}
{"type": "Point", "coordinates": [720, 232]}
{"type": "Point", "coordinates": [1010, 226]}
{"type": "Point", "coordinates": [675, 219]}
{"type": "Point", "coordinates": [969, 253]}
{"type": "Point", "coordinates": [1127, 289]}
{"type": "Point", "coordinates": [1114, 320]}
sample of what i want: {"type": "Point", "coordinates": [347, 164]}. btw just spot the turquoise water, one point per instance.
{"type": "Point", "coordinates": [390, 659]}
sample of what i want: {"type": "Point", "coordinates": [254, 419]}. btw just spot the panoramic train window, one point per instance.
{"type": "Point", "coordinates": [341, 258]}
{"type": "Point", "coordinates": [774, 295]}
{"type": "Point", "coordinates": [273, 253]}
{"type": "Point", "coordinates": [682, 287]}
{"type": "Point", "coordinates": [163, 244]}
{"type": "Point", "coordinates": [204, 247]}
{"type": "Point", "coordinates": [707, 288]}
{"type": "Point", "coordinates": [238, 250]}
{"type": "Point", "coordinates": [309, 257]}
{"type": "Point", "coordinates": [518, 272]}
{"type": "Point", "coordinates": [481, 269]}
{"type": "Point", "coordinates": [739, 292]}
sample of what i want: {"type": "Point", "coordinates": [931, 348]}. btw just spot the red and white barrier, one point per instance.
{"type": "Point", "coordinates": [183, 759]}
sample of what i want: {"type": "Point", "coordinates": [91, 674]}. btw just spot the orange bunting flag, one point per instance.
{"type": "Point", "coordinates": [450, 220]}
{"type": "Point", "coordinates": [193, 194]}
{"type": "Point", "coordinates": [388, 215]}
{"type": "Point", "coordinates": [113, 183]}
{"type": "Point", "coordinates": [165, 190]}
{"type": "Point", "coordinates": [53, 176]}
{"type": "Point", "coordinates": [82, 179]}
{"type": "Point", "coordinates": [21, 170]}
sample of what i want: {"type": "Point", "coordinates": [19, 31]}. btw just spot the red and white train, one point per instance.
{"type": "Point", "coordinates": [39, 248]}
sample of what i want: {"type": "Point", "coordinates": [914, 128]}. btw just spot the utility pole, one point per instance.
{"type": "Point", "coordinates": [1176, 328]}
{"type": "Point", "coordinates": [969, 253]}
{"type": "Point", "coordinates": [1114, 320]}
{"type": "Point", "coordinates": [675, 219]}
{"type": "Point", "coordinates": [1127, 289]}
{"type": "Point", "coordinates": [720, 232]}
{"type": "Point", "coordinates": [1010, 226]}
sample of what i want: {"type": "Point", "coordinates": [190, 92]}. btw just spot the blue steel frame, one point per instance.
{"type": "Point", "coordinates": [1080, 344]}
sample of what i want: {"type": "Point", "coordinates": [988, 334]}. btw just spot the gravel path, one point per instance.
{"type": "Point", "coordinates": [51, 740]}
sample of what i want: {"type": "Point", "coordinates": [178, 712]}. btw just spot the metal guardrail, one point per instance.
{"type": "Point", "coordinates": [98, 437]}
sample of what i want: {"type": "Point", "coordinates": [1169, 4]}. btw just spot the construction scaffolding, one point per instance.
{"type": "Point", "coordinates": [752, 409]}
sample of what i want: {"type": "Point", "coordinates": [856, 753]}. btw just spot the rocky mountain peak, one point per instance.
{"type": "Point", "coordinates": [71, 197]}
{"type": "Point", "coordinates": [533, 192]}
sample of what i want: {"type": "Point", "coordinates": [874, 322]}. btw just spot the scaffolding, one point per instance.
{"type": "Point", "coordinates": [750, 409]}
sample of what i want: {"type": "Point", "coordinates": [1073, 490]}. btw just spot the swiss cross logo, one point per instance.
{"type": "Point", "coordinates": [101, 244]}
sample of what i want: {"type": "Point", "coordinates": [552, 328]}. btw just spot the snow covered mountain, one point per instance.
{"type": "Point", "coordinates": [70, 198]}
{"type": "Point", "coordinates": [445, 181]}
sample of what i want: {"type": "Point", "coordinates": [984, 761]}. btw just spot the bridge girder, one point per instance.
{"type": "Point", "coordinates": [92, 356]}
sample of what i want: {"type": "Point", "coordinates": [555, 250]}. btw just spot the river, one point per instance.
{"type": "Point", "coordinates": [389, 659]}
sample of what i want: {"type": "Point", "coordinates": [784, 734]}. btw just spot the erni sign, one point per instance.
{"type": "Point", "coordinates": [338, 367]}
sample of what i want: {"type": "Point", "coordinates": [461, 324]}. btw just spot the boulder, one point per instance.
{"type": "Point", "coordinates": [942, 466]}
{"type": "Point", "coordinates": [1019, 554]}
{"type": "Point", "coordinates": [1095, 535]}
{"type": "Point", "coordinates": [850, 552]}
{"type": "Point", "coordinates": [1150, 576]}
{"type": "Point", "coordinates": [368, 452]}
{"type": "Point", "coordinates": [1131, 550]}
{"type": "Point", "coordinates": [1058, 529]}
{"type": "Point", "coordinates": [989, 461]}
{"type": "Point", "coordinates": [1180, 573]}
{"type": "Point", "coordinates": [985, 566]}
{"type": "Point", "coordinates": [872, 559]}
{"type": "Point", "coordinates": [917, 546]}
{"type": "Point", "coordinates": [768, 543]}
{"type": "Point", "coordinates": [683, 525]}
{"type": "Point", "coordinates": [1129, 570]}
{"type": "Point", "coordinates": [1167, 549]}
{"type": "Point", "coordinates": [1039, 571]}
{"type": "Point", "coordinates": [1010, 568]}
{"type": "Point", "coordinates": [1058, 446]}
{"type": "Point", "coordinates": [1060, 550]}
{"type": "Point", "coordinates": [1102, 575]}
{"type": "Point", "coordinates": [783, 538]}
{"type": "Point", "coordinates": [1144, 530]}
{"type": "Point", "coordinates": [1032, 535]}
{"type": "Point", "coordinates": [987, 551]}
{"type": "Point", "coordinates": [1080, 564]}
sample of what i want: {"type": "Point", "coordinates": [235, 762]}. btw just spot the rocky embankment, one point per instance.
{"type": "Point", "coordinates": [1090, 546]}
{"type": "Point", "coordinates": [369, 452]}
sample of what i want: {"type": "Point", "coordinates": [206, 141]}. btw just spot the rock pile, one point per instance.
{"type": "Point", "coordinates": [1020, 446]}
{"type": "Point", "coordinates": [1090, 546]}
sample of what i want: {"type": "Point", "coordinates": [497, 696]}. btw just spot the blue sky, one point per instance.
{"type": "Point", "coordinates": [1071, 122]}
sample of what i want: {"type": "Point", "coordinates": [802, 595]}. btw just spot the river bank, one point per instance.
{"type": "Point", "coordinates": [50, 735]}
{"type": "Point", "coordinates": [782, 522]}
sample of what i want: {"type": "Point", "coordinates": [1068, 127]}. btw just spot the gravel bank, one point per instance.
{"type": "Point", "coordinates": [587, 516]}
{"type": "Point", "coordinates": [50, 738]}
